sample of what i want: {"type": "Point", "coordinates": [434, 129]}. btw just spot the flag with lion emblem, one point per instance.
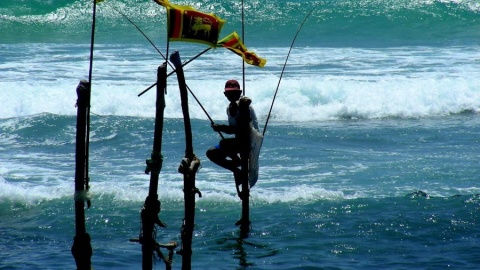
{"type": "Point", "coordinates": [188, 24]}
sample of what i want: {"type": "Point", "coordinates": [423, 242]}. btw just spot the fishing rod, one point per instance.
{"type": "Point", "coordinates": [205, 111]}
{"type": "Point", "coordinates": [172, 72]}
{"type": "Point", "coordinates": [158, 50]}
{"type": "Point", "coordinates": [284, 65]}
{"type": "Point", "coordinates": [90, 71]}
{"type": "Point", "coordinates": [183, 64]}
{"type": "Point", "coordinates": [140, 30]}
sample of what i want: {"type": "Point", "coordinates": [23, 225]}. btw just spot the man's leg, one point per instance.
{"type": "Point", "coordinates": [218, 154]}
{"type": "Point", "coordinates": [228, 148]}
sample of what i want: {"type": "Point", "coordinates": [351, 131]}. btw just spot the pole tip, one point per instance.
{"type": "Point", "coordinates": [175, 58]}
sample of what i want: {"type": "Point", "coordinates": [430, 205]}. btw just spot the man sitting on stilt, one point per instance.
{"type": "Point", "coordinates": [226, 153]}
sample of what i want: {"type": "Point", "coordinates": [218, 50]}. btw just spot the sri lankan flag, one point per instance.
{"type": "Point", "coordinates": [188, 24]}
{"type": "Point", "coordinates": [235, 44]}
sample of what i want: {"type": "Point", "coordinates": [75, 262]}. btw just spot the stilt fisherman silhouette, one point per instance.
{"type": "Point", "coordinates": [226, 153]}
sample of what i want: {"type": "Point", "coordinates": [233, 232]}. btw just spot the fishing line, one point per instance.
{"type": "Point", "coordinates": [283, 69]}
{"type": "Point", "coordinates": [140, 30]}
{"type": "Point", "coordinates": [186, 62]}
{"type": "Point", "coordinates": [156, 48]}
{"type": "Point", "coordinates": [92, 41]}
{"type": "Point", "coordinates": [90, 71]}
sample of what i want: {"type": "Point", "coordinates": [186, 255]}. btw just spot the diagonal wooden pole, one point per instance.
{"type": "Point", "coordinates": [151, 207]}
{"type": "Point", "coordinates": [188, 167]}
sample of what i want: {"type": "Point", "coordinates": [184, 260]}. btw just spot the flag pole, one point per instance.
{"type": "Point", "coordinates": [243, 38]}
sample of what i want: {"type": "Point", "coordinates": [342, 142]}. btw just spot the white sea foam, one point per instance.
{"type": "Point", "coordinates": [318, 83]}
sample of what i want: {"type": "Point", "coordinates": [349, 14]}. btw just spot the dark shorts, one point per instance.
{"type": "Point", "coordinates": [229, 146]}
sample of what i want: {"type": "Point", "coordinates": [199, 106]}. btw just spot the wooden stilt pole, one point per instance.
{"type": "Point", "coordinates": [82, 249]}
{"type": "Point", "coordinates": [244, 138]}
{"type": "Point", "coordinates": [151, 207]}
{"type": "Point", "coordinates": [188, 167]}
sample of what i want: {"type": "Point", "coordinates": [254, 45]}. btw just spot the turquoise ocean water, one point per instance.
{"type": "Point", "coordinates": [370, 160]}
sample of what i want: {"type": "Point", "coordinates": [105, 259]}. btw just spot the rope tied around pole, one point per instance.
{"type": "Point", "coordinates": [190, 168]}
{"type": "Point", "coordinates": [82, 196]}
{"type": "Point", "coordinates": [152, 206]}
{"type": "Point", "coordinates": [154, 163]}
{"type": "Point", "coordinates": [150, 211]}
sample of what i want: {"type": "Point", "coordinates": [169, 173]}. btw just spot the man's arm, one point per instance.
{"type": "Point", "coordinates": [224, 128]}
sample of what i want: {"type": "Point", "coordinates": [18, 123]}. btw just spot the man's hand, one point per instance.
{"type": "Point", "coordinates": [218, 128]}
{"type": "Point", "coordinates": [224, 128]}
{"type": "Point", "coordinates": [245, 101]}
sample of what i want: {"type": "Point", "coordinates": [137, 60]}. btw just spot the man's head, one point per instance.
{"type": "Point", "coordinates": [232, 90]}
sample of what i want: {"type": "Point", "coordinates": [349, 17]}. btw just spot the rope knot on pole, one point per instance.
{"type": "Point", "coordinates": [154, 163]}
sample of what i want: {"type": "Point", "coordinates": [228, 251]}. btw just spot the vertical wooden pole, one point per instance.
{"type": "Point", "coordinates": [81, 249]}
{"type": "Point", "coordinates": [244, 138]}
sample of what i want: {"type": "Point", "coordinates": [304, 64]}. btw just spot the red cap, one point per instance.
{"type": "Point", "coordinates": [232, 85]}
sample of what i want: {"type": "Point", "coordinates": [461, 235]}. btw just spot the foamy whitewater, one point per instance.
{"type": "Point", "coordinates": [370, 159]}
